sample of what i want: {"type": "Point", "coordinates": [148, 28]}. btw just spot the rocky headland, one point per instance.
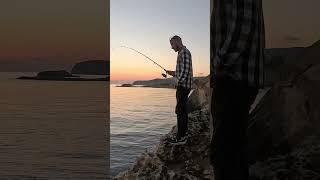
{"type": "Point", "coordinates": [158, 83]}
{"type": "Point", "coordinates": [92, 67]}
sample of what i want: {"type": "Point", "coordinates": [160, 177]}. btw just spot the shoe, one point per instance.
{"type": "Point", "coordinates": [179, 141]}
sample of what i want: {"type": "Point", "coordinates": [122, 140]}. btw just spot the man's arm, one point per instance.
{"type": "Point", "coordinates": [171, 73]}
{"type": "Point", "coordinates": [242, 23]}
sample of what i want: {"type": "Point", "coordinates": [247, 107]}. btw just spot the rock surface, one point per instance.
{"type": "Point", "coordinates": [168, 161]}
{"type": "Point", "coordinates": [284, 134]}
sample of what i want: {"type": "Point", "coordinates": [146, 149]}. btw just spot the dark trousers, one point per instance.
{"type": "Point", "coordinates": [231, 101]}
{"type": "Point", "coordinates": [181, 110]}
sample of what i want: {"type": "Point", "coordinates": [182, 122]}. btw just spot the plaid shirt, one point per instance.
{"type": "Point", "coordinates": [237, 40]}
{"type": "Point", "coordinates": [183, 72]}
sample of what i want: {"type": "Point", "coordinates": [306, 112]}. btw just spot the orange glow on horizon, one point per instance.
{"type": "Point", "coordinates": [126, 65]}
{"type": "Point", "coordinates": [133, 75]}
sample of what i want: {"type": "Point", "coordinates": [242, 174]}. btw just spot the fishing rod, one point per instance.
{"type": "Point", "coordinates": [164, 75]}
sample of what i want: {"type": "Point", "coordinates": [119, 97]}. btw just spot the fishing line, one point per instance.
{"type": "Point", "coordinates": [164, 75]}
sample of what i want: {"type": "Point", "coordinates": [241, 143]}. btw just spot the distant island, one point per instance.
{"type": "Point", "coordinates": [156, 83]}
{"type": "Point", "coordinates": [125, 85]}
{"type": "Point", "coordinates": [93, 67]}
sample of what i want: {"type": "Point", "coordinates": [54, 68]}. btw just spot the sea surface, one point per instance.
{"type": "Point", "coordinates": [53, 129]}
{"type": "Point", "coordinates": [139, 117]}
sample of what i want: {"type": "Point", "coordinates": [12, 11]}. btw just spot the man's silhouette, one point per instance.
{"type": "Point", "coordinates": [237, 62]}
{"type": "Point", "coordinates": [184, 77]}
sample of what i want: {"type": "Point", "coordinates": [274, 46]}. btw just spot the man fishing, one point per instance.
{"type": "Point", "coordinates": [237, 62]}
{"type": "Point", "coordinates": [184, 79]}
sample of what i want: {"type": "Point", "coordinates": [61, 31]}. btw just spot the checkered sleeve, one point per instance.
{"type": "Point", "coordinates": [184, 67]}
{"type": "Point", "coordinates": [240, 32]}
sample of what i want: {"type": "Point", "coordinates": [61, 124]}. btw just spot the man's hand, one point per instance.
{"type": "Point", "coordinates": [171, 73]}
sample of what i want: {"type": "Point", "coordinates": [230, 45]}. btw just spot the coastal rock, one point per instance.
{"type": "Point", "coordinates": [199, 97]}
{"type": "Point", "coordinates": [92, 67]}
{"type": "Point", "coordinates": [167, 161]}
{"type": "Point", "coordinates": [284, 129]}
{"type": "Point", "coordinates": [162, 83]}
{"type": "Point", "coordinates": [125, 85]}
{"type": "Point", "coordinates": [50, 75]}
{"type": "Point", "coordinates": [53, 74]}
{"type": "Point", "coordinates": [61, 75]}
{"type": "Point", "coordinates": [302, 162]}
{"type": "Point", "coordinates": [277, 60]}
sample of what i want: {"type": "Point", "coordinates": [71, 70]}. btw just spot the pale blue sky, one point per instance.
{"type": "Point", "coordinates": [147, 25]}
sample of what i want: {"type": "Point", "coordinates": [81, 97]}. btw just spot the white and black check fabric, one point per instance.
{"type": "Point", "coordinates": [183, 74]}
{"type": "Point", "coordinates": [238, 40]}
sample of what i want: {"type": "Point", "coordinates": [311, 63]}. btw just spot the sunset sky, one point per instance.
{"type": "Point", "coordinates": [45, 34]}
{"type": "Point", "coordinates": [48, 34]}
{"type": "Point", "coordinates": [147, 25]}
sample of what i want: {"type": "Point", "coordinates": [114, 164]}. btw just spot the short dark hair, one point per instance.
{"type": "Point", "coordinates": [175, 37]}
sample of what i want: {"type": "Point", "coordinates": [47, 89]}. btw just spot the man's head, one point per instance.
{"type": "Point", "coordinates": [176, 43]}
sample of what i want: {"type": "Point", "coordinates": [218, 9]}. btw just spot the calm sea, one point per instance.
{"type": "Point", "coordinates": [53, 129]}
{"type": "Point", "coordinates": [139, 117]}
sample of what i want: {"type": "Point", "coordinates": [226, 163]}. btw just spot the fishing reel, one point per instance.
{"type": "Point", "coordinates": [164, 75]}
